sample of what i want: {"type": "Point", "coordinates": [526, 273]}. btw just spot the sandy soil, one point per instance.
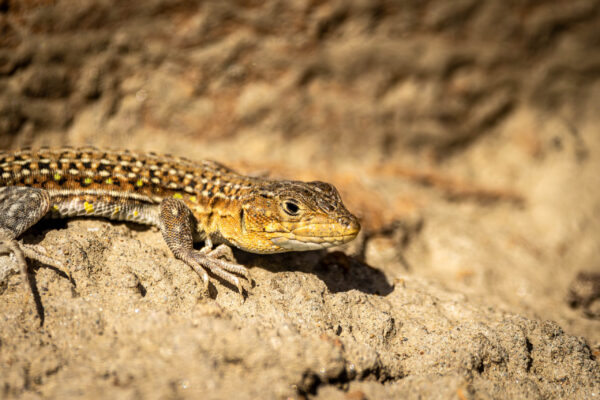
{"type": "Point", "coordinates": [464, 134]}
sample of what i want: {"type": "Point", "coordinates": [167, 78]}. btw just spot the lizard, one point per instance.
{"type": "Point", "coordinates": [187, 201]}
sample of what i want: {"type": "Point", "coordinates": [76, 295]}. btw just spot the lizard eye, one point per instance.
{"type": "Point", "coordinates": [290, 207]}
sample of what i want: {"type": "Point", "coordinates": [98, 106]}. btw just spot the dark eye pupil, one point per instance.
{"type": "Point", "coordinates": [291, 207]}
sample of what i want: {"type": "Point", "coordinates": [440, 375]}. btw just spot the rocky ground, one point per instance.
{"type": "Point", "coordinates": [463, 134]}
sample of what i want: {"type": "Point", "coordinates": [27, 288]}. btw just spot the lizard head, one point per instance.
{"type": "Point", "coordinates": [294, 216]}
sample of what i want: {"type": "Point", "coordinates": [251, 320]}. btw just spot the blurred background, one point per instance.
{"type": "Point", "coordinates": [465, 134]}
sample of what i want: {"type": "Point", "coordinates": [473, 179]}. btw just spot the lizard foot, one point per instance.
{"type": "Point", "coordinates": [203, 261]}
{"type": "Point", "coordinates": [21, 251]}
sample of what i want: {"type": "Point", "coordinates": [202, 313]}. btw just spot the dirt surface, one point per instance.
{"type": "Point", "coordinates": [464, 135]}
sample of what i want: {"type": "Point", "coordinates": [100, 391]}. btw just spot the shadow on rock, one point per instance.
{"type": "Point", "coordinates": [338, 271]}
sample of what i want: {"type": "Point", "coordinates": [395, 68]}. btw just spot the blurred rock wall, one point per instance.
{"type": "Point", "coordinates": [360, 76]}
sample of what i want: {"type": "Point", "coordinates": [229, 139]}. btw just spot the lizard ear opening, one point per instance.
{"type": "Point", "coordinates": [242, 220]}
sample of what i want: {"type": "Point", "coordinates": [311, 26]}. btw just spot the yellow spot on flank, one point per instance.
{"type": "Point", "coordinates": [109, 182]}
{"type": "Point", "coordinates": [57, 176]}
{"type": "Point", "coordinates": [139, 183]}
{"type": "Point", "coordinates": [89, 207]}
{"type": "Point", "coordinates": [135, 213]}
{"type": "Point", "coordinates": [177, 196]}
{"type": "Point", "coordinates": [55, 207]}
{"type": "Point", "coordinates": [117, 210]}
{"type": "Point", "coordinates": [193, 199]}
{"type": "Point", "coordinates": [87, 181]}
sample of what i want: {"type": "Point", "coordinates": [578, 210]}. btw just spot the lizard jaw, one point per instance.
{"type": "Point", "coordinates": [310, 243]}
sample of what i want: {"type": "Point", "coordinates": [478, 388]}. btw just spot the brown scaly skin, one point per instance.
{"type": "Point", "coordinates": [188, 201]}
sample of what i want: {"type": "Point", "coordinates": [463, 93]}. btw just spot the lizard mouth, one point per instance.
{"type": "Point", "coordinates": [315, 236]}
{"type": "Point", "coordinates": [303, 243]}
{"type": "Point", "coordinates": [319, 231]}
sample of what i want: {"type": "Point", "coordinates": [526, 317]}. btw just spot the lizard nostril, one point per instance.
{"type": "Point", "coordinates": [351, 224]}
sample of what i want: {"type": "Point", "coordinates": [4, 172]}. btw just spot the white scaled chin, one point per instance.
{"type": "Point", "coordinates": [297, 245]}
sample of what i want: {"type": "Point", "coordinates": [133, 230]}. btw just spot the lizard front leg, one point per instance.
{"type": "Point", "coordinates": [21, 208]}
{"type": "Point", "coordinates": [177, 224]}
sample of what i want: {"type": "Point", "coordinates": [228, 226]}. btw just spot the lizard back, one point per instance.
{"type": "Point", "coordinates": [120, 185]}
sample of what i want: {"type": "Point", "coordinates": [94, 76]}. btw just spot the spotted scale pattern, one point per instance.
{"type": "Point", "coordinates": [121, 185]}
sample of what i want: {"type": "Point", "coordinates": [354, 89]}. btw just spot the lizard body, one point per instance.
{"type": "Point", "coordinates": [188, 201]}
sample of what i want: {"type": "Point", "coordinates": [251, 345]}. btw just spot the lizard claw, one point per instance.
{"type": "Point", "coordinates": [205, 281]}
